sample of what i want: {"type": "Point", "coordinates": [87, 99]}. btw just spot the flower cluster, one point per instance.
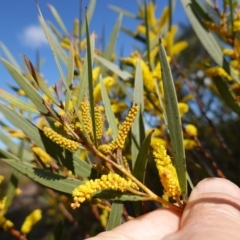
{"type": "Point", "coordinates": [110, 181]}
{"type": "Point", "coordinates": [99, 121]}
{"type": "Point", "coordinates": [60, 140]}
{"type": "Point", "coordinates": [217, 71]}
{"type": "Point", "coordinates": [123, 131]}
{"type": "Point", "coordinates": [167, 172]}
{"type": "Point", "coordinates": [85, 113]}
{"type": "Point", "coordinates": [125, 127]}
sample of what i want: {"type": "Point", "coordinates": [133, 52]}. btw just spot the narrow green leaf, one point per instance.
{"type": "Point", "coordinates": [90, 81]}
{"type": "Point", "coordinates": [70, 73]}
{"type": "Point", "coordinates": [115, 217]}
{"type": "Point", "coordinates": [226, 95]}
{"type": "Point", "coordinates": [16, 102]}
{"type": "Point", "coordinates": [9, 56]}
{"type": "Point", "coordinates": [113, 39]}
{"type": "Point", "coordinates": [113, 67]}
{"type": "Point", "coordinates": [54, 30]}
{"type": "Point", "coordinates": [38, 79]}
{"type": "Point", "coordinates": [124, 12]}
{"type": "Point", "coordinates": [13, 147]}
{"type": "Point", "coordinates": [141, 161]}
{"type": "Point", "coordinates": [26, 86]}
{"type": "Point", "coordinates": [231, 10]}
{"type": "Point", "coordinates": [138, 98]}
{"type": "Point", "coordinates": [58, 19]}
{"type": "Point", "coordinates": [54, 45]}
{"type": "Point", "coordinates": [47, 179]}
{"type": "Point", "coordinates": [83, 85]}
{"type": "Point", "coordinates": [116, 196]}
{"type": "Point", "coordinates": [207, 39]}
{"type": "Point", "coordinates": [65, 157]}
{"type": "Point", "coordinates": [173, 121]}
{"type": "Point", "coordinates": [108, 110]}
{"type": "Point", "coordinates": [90, 11]}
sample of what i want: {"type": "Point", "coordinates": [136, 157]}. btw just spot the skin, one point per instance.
{"type": "Point", "coordinates": [212, 212]}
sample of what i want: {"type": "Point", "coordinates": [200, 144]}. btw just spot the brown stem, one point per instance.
{"type": "Point", "coordinates": [152, 196]}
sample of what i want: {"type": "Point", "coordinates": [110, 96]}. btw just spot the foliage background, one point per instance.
{"type": "Point", "coordinates": [216, 153]}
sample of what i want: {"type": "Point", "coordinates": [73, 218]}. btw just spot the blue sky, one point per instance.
{"type": "Point", "coordinates": [19, 28]}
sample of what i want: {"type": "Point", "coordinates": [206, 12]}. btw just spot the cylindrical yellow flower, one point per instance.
{"type": "Point", "coordinates": [46, 158]}
{"type": "Point", "coordinates": [217, 71]}
{"type": "Point", "coordinates": [85, 113]}
{"type": "Point", "coordinates": [109, 181]}
{"type": "Point", "coordinates": [5, 224]}
{"type": "Point", "coordinates": [31, 220]}
{"type": "Point", "coordinates": [125, 127]}
{"type": "Point", "coordinates": [99, 121]}
{"type": "Point", "coordinates": [167, 171]}
{"type": "Point", "coordinates": [60, 140]}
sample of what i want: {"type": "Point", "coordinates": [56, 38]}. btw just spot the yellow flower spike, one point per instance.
{"type": "Point", "coordinates": [183, 108]}
{"type": "Point", "coordinates": [217, 71]}
{"type": "Point", "coordinates": [167, 172]}
{"type": "Point", "coordinates": [141, 29]}
{"type": "Point", "coordinates": [60, 140]}
{"type": "Point", "coordinates": [235, 64]}
{"type": "Point", "coordinates": [105, 148]}
{"type": "Point", "coordinates": [236, 26]}
{"type": "Point", "coordinates": [108, 82]}
{"type": "Point", "coordinates": [178, 47]}
{"type": "Point", "coordinates": [151, 14]}
{"type": "Point", "coordinates": [163, 19]}
{"type": "Point", "coordinates": [77, 59]}
{"type": "Point", "coordinates": [21, 92]}
{"type": "Point", "coordinates": [83, 44]}
{"type": "Point", "coordinates": [3, 204]}
{"type": "Point", "coordinates": [65, 45]}
{"type": "Point", "coordinates": [229, 52]}
{"type": "Point", "coordinates": [76, 28]}
{"type": "Point", "coordinates": [215, 28]}
{"type": "Point", "coordinates": [99, 121]}
{"type": "Point", "coordinates": [5, 224]}
{"type": "Point", "coordinates": [169, 39]}
{"type": "Point", "coordinates": [31, 220]}
{"type": "Point", "coordinates": [104, 217]}
{"type": "Point", "coordinates": [157, 140]}
{"type": "Point", "coordinates": [86, 118]}
{"type": "Point", "coordinates": [110, 181]}
{"type": "Point", "coordinates": [46, 158]}
{"type": "Point", "coordinates": [125, 127]}
{"type": "Point", "coordinates": [118, 107]}
{"type": "Point", "coordinates": [95, 74]}
{"type": "Point", "coordinates": [189, 144]}
{"type": "Point", "coordinates": [17, 134]}
{"type": "Point", "coordinates": [191, 130]}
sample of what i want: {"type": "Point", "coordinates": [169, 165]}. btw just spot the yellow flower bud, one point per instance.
{"type": "Point", "coordinates": [31, 220]}
{"type": "Point", "coordinates": [191, 130]}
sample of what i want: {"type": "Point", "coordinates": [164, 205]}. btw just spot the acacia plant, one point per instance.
{"type": "Point", "coordinates": [113, 132]}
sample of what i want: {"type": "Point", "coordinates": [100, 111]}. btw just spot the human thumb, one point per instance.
{"type": "Point", "coordinates": [212, 212]}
